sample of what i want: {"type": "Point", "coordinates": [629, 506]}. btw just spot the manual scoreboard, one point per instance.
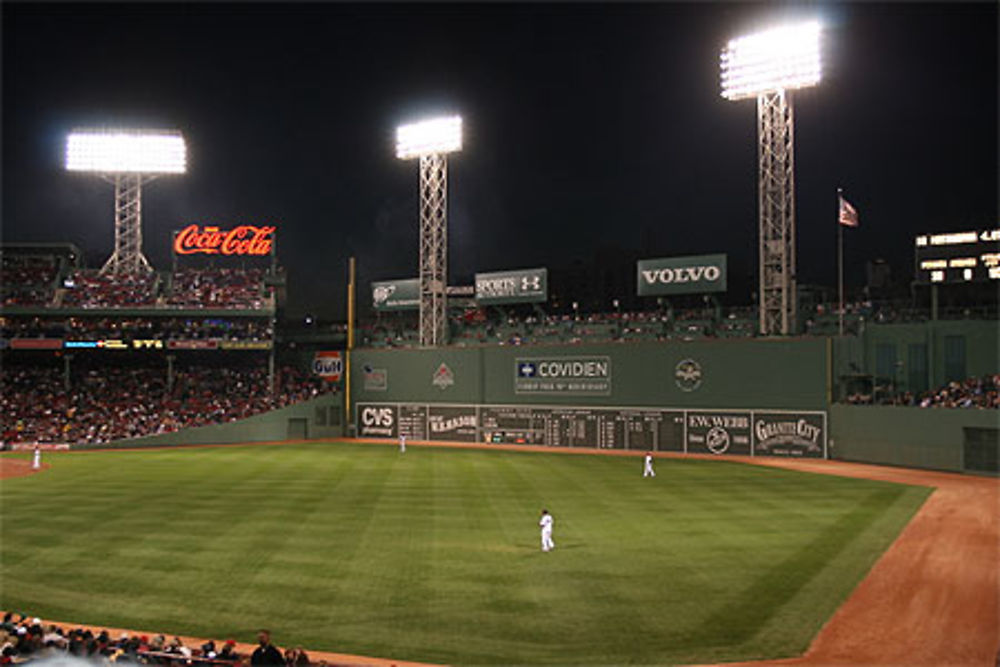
{"type": "Point", "coordinates": [702, 431]}
{"type": "Point", "coordinates": [958, 257]}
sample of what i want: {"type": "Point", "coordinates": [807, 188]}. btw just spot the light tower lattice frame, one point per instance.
{"type": "Point", "coordinates": [767, 66]}
{"type": "Point", "coordinates": [776, 200]}
{"type": "Point", "coordinates": [433, 249]}
{"type": "Point", "coordinates": [127, 158]}
{"type": "Point", "coordinates": [127, 258]}
{"type": "Point", "coordinates": [431, 141]}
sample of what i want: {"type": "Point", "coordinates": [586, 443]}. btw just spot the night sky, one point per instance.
{"type": "Point", "coordinates": [592, 131]}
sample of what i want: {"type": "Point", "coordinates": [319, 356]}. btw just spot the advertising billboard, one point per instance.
{"type": "Point", "coordinates": [396, 294]}
{"type": "Point", "coordinates": [568, 376]}
{"type": "Point", "coordinates": [328, 364]}
{"type": "Point", "coordinates": [521, 286]}
{"type": "Point", "coordinates": [242, 240]}
{"type": "Point", "coordinates": [693, 274]}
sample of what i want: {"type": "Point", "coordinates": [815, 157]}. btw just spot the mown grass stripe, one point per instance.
{"type": "Point", "coordinates": [434, 555]}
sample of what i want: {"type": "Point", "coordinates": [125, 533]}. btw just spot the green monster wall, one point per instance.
{"type": "Point", "coordinates": [775, 374]}
{"type": "Point", "coordinates": [688, 386]}
{"type": "Point", "coordinates": [750, 375]}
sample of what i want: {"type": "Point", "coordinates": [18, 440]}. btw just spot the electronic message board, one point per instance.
{"type": "Point", "coordinates": [958, 257]}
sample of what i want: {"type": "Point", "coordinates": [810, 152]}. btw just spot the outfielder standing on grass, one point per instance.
{"type": "Point", "coordinates": [546, 523]}
{"type": "Point", "coordinates": [647, 470]}
{"type": "Point", "coordinates": [402, 443]}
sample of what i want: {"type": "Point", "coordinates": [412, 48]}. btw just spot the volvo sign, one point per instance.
{"type": "Point", "coordinates": [694, 274]}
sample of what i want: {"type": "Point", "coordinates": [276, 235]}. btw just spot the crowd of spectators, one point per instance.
{"type": "Point", "coordinates": [512, 329]}
{"type": "Point", "coordinates": [91, 289]}
{"type": "Point", "coordinates": [33, 281]}
{"type": "Point", "coordinates": [217, 288]}
{"type": "Point", "coordinates": [111, 403]}
{"type": "Point", "coordinates": [27, 280]}
{"type": "Point", "coordinates": [974, 392]}
{"type": "Point", "coordinates": [162, 328]}
{"type": "Point", "coordinates": [25, 640]}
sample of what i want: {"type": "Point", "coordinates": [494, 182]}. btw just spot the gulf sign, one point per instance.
{"type": "Point", "coordinates": [242, 240]}
{"type": "Point", "coordinates": [328, 365]}
{"type": "Point", "coordinates": [694, 274]}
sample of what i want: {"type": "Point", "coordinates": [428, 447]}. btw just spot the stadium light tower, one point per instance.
{"type": "Point", "coordinates": [768, 66]}
{"type": "Point", "coordinates": [431, 141]}
{"type": "Point", "coordinates": [127, 158]}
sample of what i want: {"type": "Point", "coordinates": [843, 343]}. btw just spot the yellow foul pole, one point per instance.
{"type": "Point", "coordinates": [350, 343]}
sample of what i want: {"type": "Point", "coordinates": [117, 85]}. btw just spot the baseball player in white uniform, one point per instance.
{"type": "Point", "coordinates": [546, 524]}
{"type": "Point", "coordinates": [36, 462]}
{"type": "Point", "coordinates": [647, 470]}
{"type": "Point", "coordinates": [402, 443]}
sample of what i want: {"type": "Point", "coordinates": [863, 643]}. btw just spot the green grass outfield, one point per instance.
{"type": "Point", "coordinates": [433, 555]}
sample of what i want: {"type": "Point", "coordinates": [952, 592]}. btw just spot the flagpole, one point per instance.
{"type": "Point", "coordinates": [840, 262]}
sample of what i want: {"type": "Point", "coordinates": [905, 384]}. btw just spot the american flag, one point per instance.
{"type": "Point", "coordinates": [848, 214]}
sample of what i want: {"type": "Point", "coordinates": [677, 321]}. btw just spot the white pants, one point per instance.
{"type": "Point", "coordinates": [648, 471]}
{"type": "Point", "coordinates": [547, 543]}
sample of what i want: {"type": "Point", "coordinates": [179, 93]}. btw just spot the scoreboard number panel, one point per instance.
{"type": "Point", "coordinates": [793, 433]}
{"type": "Point", "coordinates": [958, 257]}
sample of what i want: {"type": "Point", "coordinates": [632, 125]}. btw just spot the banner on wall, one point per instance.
{"type": "Point", "coordinates": [563, 375]}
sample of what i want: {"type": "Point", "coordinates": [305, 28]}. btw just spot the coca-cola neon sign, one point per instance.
{"type": "Point", "coordinates": [242, 240]}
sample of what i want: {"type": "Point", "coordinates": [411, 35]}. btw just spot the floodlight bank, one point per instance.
{"type": "Point", "coordinates": [127, 151]}
{"type": "Point", "coordinates": [429, 137]}
{"type": "Point", "coordinates": [783, 58]}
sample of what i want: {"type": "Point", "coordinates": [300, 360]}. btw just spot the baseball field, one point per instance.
{"type": "Point", "coordinates": [433, 555]}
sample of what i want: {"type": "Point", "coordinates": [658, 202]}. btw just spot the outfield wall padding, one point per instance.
{"type": "Point", "coordinates": [932, 438]}
{"type": "Point", "coordinates": [320, 417]}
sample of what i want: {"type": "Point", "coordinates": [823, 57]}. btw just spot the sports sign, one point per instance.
{"type": "Point", "coordinates": [242, 240]}
{"type": "Point", "coordinates": [396, 294]}
{"type": "Point", "coordinates": [958, 257]}
{"type": "Point", "coordinates": [568, 376]}
{"type": "Point", "coordinates": [328, 365]}
{"type": "Point", "coordinates": [693, 274]}
{"type": "Point", "coordinates": [522, 286]}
